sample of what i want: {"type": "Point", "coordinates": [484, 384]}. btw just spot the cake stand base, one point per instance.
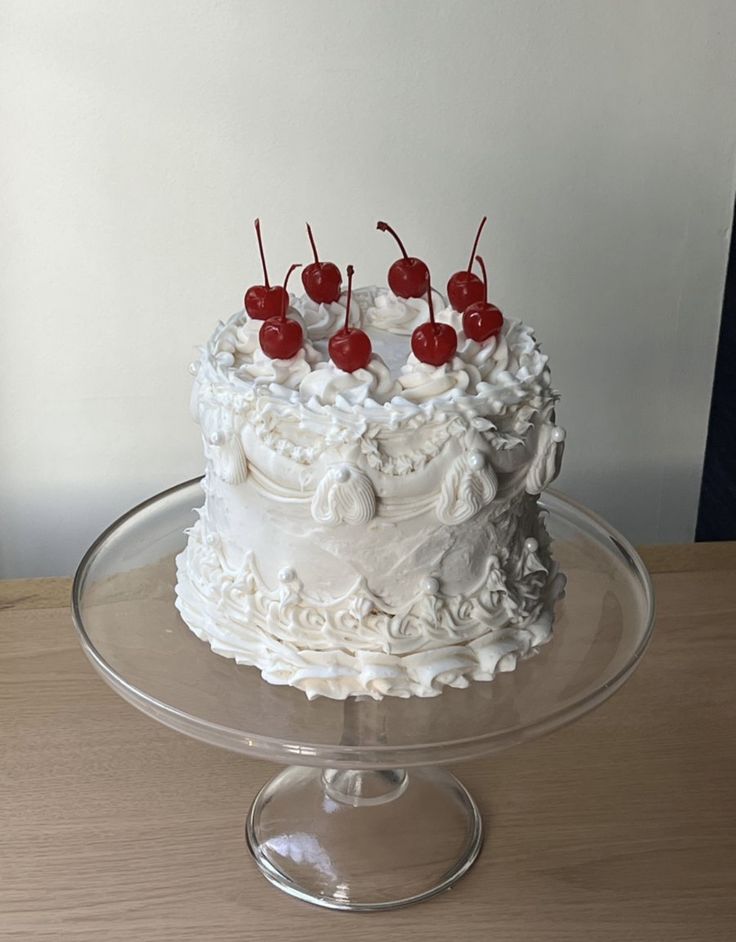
{"type": "Point", "coordinates": [364, 840]}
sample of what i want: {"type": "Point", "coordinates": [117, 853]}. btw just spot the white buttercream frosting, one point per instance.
{"type": "Point", "coordinates": [469, 486]}
{"type": "Point", "coordinates": [327, 383]}
{"type": "Point", "coordinates": [323, 320]}
{"type": "Point", "coordinates": [287, 373]}
{"type": "Point", "coordinates": [344, 495]}
{"type": "Point", "coordinates": [348, 646]}
{"type": "Point", "coordinates": [397, 315]}
{"type": "Point", "coordinates": [421, 381]}
{"type": "Point", "coordinates": [246, 337]}
{"type": "Point", "coordinates": [377, 531]}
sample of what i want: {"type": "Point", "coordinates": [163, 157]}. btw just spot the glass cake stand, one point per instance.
{"type": "Point", "coordinates": [364, 817]}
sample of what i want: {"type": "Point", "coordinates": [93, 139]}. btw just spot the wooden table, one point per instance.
{"type": "Point", "coordinates": [621, 826]}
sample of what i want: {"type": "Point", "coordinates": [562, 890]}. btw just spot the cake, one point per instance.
{"type": "Point", "coordinates": [373, 529]}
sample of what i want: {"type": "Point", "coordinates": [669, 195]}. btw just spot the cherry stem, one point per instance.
{"type": "Point", "coordinates": [384, 227]}
{"type": "Point", "coordinates": [482, 264]}
{"type": "Point", "coordinates": [477, 240]}
{"type": "Point", "coordinates": [257, 224]}
{"type": "Point", "coordinates": [286, 293]}
{"type": "Point", "coordinates": [311, 242]}
{"type": "Point", "coordinates": [431, 305]}
{"type": "Point", "coordinates": [350, 297]}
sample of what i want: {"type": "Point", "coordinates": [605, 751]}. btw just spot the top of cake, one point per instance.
{"type": "Point", "coordinates": [397, 354]}
{"type": "Point", "coordinates": [487, 386]}
{"type": "Point", "coordinates": [506, 370]}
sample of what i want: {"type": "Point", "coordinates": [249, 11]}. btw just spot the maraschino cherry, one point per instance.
{"type": "Point", "coordinates": [350, 348]}
{"type": "Point", "coordinates": [281, 338]}
{"type": "Point", "coordinates": [408, 277]}
{"type": "Point", "coordinates": [465, 287]}
{"type": "Point", "coordinates": [432, 342]}
{"type": "Point", "coordinates": [482, 320]}
{"type": "Point", "coordinates": [322, 280]}
{"type": "Point", "coordinates": [263, 301]}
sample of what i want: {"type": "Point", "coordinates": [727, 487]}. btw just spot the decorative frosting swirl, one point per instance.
{"type": "Point", "coordinates": [326, 383]}
{"type": "Point", "coordinates": [397, 315]}
{"type": "Point", "coordinates": [225, 451]}
{"type": "Point", "coordinates": [344, 495]}
{"type": "Point", "coordinates": [545, 465]}
{"type": "Point", "coordinates": [422, 381]}
{"type": "Point", "coordinates": [322, 320]}
{"type": "Point", "coordinates": [287, 373]}
{"type": "Point", "coordinates": [469, 485]}
{"type": "Point", "coordinates": [516, 356]}
{"type": "Point", "coordinates": [246, 337]}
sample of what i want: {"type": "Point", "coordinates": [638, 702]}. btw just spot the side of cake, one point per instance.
{"type": "Point", "coordinates": [375, 530]}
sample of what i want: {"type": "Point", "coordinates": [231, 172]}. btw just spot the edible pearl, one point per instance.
{"type": "Point", "coordinates": [430, 585]}
{"type": "Point", "coordinates": [287, 574]}
{"type": "Point", "coordinates": [217, 438]}
{"type": "Point", "coordinates": [531, 545]}
{"type": "Point", "coordinates": [558, 434]}
{"type": "Point", "coordinates": [342, 474]}
{"type": "Point", "coordinates": [194, 367]}
{"type": "Point", "coordinates": [212, 539]}
{"type": "Point", "coordinates": [477, 460]}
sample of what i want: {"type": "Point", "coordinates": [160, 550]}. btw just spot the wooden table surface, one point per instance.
{"type": "Point", "coordinates": [621, 826]}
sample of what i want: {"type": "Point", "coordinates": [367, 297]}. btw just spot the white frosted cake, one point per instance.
{"type": "Point", "coordinates": [373, 530]}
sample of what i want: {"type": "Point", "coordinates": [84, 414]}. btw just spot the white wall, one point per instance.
{"type": "Point", "coordinates": [139, 140]}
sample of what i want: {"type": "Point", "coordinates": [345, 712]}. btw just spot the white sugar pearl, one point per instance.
{"type": "Point", "coordinates": [217, 438]}
{"type": "Point", "coordinates": [194, 367]}
{"type": "Point", "coordinates": [430, 585]}
{"type": "Point", "coordinates": [531, 545]}
{"type": "Point", "coordinates": [558, 434]}
{"type": "Point", "coordinates": [212, 539]}
{"type": "Point", "coordinates": [342, 474]}
{"type": "Point", "coordinates": [287, 574]}
{"type": "Point", "coordinates": [477, 460]}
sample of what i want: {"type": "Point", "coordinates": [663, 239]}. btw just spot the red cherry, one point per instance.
{"type": "Point", "coordinates": [432, 342]}
{"type": "Point", "coordinates": [281, 338]}
{"type": "Point", "coordinates": [408, 277]}
{"type": "Point", "coordinates": [350, 348]}
{"type": "Point", "coordinates": [322, 280]}
{"type": "Point", "coordinates": [482, 320]}
{"type": "Point", "coordinates": [263, 301]}
{"type": "Point", "coordinates": [465, 287]}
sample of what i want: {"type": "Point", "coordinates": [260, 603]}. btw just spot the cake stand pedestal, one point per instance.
{"type": "Point", "coordinates": [364, 817]}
